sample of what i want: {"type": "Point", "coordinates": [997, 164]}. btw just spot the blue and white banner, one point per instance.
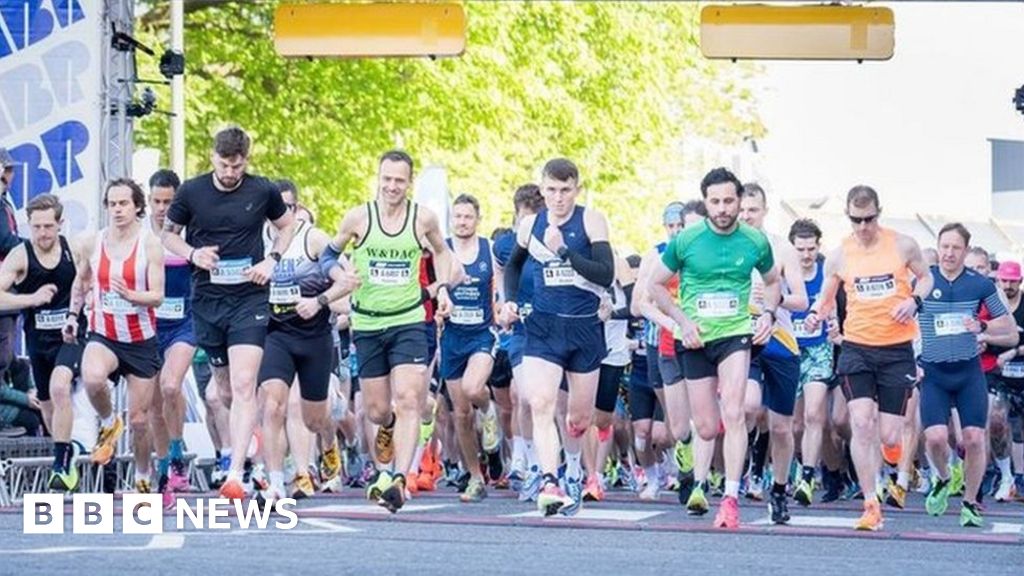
{"type": "Point", "coordinates": [51, 78]}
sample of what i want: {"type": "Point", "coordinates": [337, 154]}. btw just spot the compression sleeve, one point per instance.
{"type": "Point", "coordinates": [600, 269]}
{"type": "Point", "coordinates": [329, 259]}
{"type": "Point", "coordinates": [514, 271]}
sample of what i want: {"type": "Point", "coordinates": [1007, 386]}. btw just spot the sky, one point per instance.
{"type": "Point", "coordinates": [915, 127]}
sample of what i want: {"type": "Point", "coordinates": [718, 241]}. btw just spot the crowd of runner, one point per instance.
{"type": "Point", "coordinates": [724, 362]}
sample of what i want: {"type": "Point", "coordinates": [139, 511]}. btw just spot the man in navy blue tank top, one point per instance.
{"type": "Point", "coordinates": [564, 335]}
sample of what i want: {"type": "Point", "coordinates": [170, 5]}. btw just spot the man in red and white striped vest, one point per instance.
{"type": "Point", "coordinates": [121, 276]}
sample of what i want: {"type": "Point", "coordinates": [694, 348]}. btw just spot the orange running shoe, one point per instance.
{"type": "Point", "coordinates": [728, 516]}
{"type": "Point", "coordinates": [871, 520]}
{"type": "Point", "coordinates": [411, 483]}
{"type": "Point", "coordinates": [892, 454]}
{"type": "Point", "coordinates": [232, 489]}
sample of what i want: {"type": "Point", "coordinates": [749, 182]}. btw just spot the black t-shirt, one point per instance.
{"type": "Point", "coordinates": [231, 220]}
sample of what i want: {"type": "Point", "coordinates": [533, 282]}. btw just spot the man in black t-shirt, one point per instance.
{"type": "Point", "coordinates": [223, 213]}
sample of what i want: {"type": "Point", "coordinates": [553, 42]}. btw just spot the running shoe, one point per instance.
{"type": "Point", "coordinates": [490, 435]}
{"type": "Point", "coordinates": [64, 480]}
{"type": "Point", "coordinates": [832, 483]}
{"type": "Point", "coordinates": [106, 443]}
{"type": "Point", "coordinates": [384, 444]}
{"type": "Point", "coordinates": [220, 471]}
{"type": "Point", "coordinates": [970, 516]}
{"type": "Point", "coordinates": [1005, 492]}
{"type": "Point", "coordinates": [853, 492]}
{"type": "Point", "coordinates": [232, 489]}
{"type": "Point", "coordinates": [495, 467]}
{"type": "Point", "coordinates": [871, 519]}
{"type": "Point", "coordinates": [425, 482]}
{"type": "Point", "coordinates": [1018, 482]}
{"type": "Point", "coordinates": [778, 507]}
{"type": "Point", "coordinates": [686, 484]}
{"type": "Point", "coordinates": [574, 491]}
{"type": "Point", "coordinates": [684, 456]}
{"type": "Point", "coordinates": [651, 490]}
{"type": "Point", "coordinates": [378, 483]}
{"type": "Point", "coordinates": [956, 479]}
{"type": "Point", "coordinates": [411, 485]}
{"type": "Point", "coordinates": [267, 498]}
{"type": "Point", "coordinates": [938, 499]}
{"type": "Point", "coordinates": [593, 491]}
{"type": "Point", "coordinates": [552, 499]}
{"type": "Point", "coordinates": [716, 483]}
{"type": "Point", "coordinates": [896, 495]}
{"type": "Point", "coordinates": [755, 489]}
{"type": "Point", "coordinates": [177, 477]}
{"type": "Point", "coordinates": [515, 481]}
{"type": "Point", "coordinates": [475, 491]}
{"type": "Point", "coordinates": [804, 492]}
{"type": "Point", "coordinates": [330, 463]}
{"type": "Point", "coordinates": [697, 504]}
{"type": "Point", "coordinates": [728, 516]}
{"type": "Point", "coordinates": [393, 498]}
{"type": "Point", "coordinates": [532, 486]}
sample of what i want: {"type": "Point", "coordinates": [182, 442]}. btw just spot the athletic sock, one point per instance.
{"type": "Point", "coordinates": [732, 488]}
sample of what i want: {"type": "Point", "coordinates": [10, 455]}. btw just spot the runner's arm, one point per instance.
{"type": "Point", "coordinates": [826, 302]}
{"type": "Point", "coordinates": [513, 270]}
{"type": "Point", "coordinates": [343, 278]}
{"type": "Point", "coordinates": [1001, 330]}
{"type": "Point", "coordinates": [443, 261]}
{"type": "Point", "coordinates": [350, 224]}
{"type": "Point", "coordinates": [600, 267]}
{"type": "Point", "coordinates": [154, 296]}
{"type": "Point", "coordinates": [82, 250]}
{"type": "Point", "coordinates": [13, 269]}
{"type": "Point", "coordinates": [796, 300]}
{"type": "Point", "coordinates": [666, 304]}
{"type": "Point", "coordinates": [285, 225]}
{"type": "Point", "coordinates": [915, 262]}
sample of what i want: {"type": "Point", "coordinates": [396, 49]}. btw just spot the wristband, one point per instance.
{"type": "Point", "coordinates": [984, 325]}
{"type": "Point", "coordinates": [563, 252]}
{"type": "Point", "coordinates": [321, 299]}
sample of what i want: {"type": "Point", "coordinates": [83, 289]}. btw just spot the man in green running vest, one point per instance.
{"type": "Point", "coordinates": [389, 235]}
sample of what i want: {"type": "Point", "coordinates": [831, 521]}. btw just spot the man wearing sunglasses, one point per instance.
{"type": "Point", "coordinates": [878, 267]}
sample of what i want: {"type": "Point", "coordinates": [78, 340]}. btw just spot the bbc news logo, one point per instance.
{"type": "Point", "coordinates": [144, 514]}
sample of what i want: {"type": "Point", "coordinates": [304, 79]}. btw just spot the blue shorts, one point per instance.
{"type": "Point", "coordinates": [516, 344]}
{"type": "Point", "coordinates": [457, 347]}
{"type": "Point", "coordinates": [179, 332]}
{"type": "Point", "coordinates": [779, 377]}
{"type": "Point", "coordinates": [575, 344]}
{"type": "Point", "coordinates": [949, 385]}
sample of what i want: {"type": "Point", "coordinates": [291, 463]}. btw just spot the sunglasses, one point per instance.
{"type": "Point", "coordinates": [857, 220]}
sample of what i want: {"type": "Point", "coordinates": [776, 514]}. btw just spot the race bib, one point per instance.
{"type": "Point", "coordinates": [51, 319]}
{"type": "Point", "coordinates": [1013, 370]}
{"type": "Point", "coordinates": [800, 330]}
{"type": "Point", "coordinates": [718, 304]}
{"type": "Point", "coordinates": [875, 287]}
{"type": "Point", "coordinates": [466, 315]}
{"type": "Point", "coordinates": [949, 324]}
{"type": "Point", "coordinates": [231, 272]}
{"type": "Point", "coordinates": [284, 293]}
{"type": "Point", "coordinates": [386, 273]}
{"type": "Point", "coordinates": [114, 304]}
{"type": "Point", "coordinates": [171, 309]}
{"type": "Point", "coordinates": [559, 274]}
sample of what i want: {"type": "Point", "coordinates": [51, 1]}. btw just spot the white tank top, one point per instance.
{"type": "Point", "coordinates": [615, 333]}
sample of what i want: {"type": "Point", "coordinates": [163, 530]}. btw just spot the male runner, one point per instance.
{"type": "Point", "coordinates": [815, 357]}
{"type": "Point", "coordinates": [177, 348]}
{"type": "Point", "coordinates": [877, 368]}
{"type": "Point", "coordinates": [390, 234]}
{"type": "Point", "coordinates": [300, 345]}
{"type": "Point", "coordinates": [223, 212]}
{"type": "Point", "coordinates": [715, 260]}
{"type": "Point", "coordinates": [469, 343]}
{"type": "Point", "coordinates": [525, 476]}
{"type": "Point", "coordinates": [951, 333]}
{"type": "Point", "coordinates": [41, 272]}
{"type": "Point", "coordinates": [1009, 402]}
{"type": "Point", "coordinates": [564, 335]}
{"type": "Point", "coordinates": [122, 267]}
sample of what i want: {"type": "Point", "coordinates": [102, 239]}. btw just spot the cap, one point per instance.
{"type": "Point", "coordinates": [6, 160]}
{"type": "Point", "coordinates": [1009, 270]}
{"type": "Point", "coordinates": [673, 213]}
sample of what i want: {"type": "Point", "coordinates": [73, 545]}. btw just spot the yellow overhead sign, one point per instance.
{"type": "Point", "coordinates": [370, 29]}
{"type": "Point", "coordinates": [797, 32]}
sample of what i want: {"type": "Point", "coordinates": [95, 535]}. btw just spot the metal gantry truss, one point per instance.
{"type": "Point", "coordinates": [117, 130]}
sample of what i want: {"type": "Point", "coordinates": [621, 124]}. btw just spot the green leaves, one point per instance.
{"type": "Point", "coordinates": [614, 86]}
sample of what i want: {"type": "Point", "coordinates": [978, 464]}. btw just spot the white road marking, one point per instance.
{"type": "Point", "coordinates": [1007, 528]}
{"type": "Point", "coordinates": [172, 541]}
{"type": "Point", "coordinates": [812, 521]}
{"type": "Point", "coordinates": [371, 508]}
{"type": "Point", "coordinates": [597, 514]}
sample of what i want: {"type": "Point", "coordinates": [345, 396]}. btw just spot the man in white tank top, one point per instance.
{"type": "Point", "coordinates": [120, 273]}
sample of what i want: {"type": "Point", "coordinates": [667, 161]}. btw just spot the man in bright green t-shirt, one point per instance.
{"type": "Point", "coordinates": [714, 260]}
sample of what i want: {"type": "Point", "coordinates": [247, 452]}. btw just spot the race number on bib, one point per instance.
{"type": "Point", "coordinates": [230, 272]}
{"type": "Point", "coordinates": [386, 273]}
{"type": "Point", "coordinates": [800, 330]}
{"type": "Point", "coordinates": [114, 304]}
{"type": "Point", "coordinates": [467, 315]}
{"type": "Point", "coordinates": [949, 324]}
{"type": "Point", "coordinates": [284, 293]}
{"type": "Point", "coordinates": [718, 304]}
{"type": "Point", "coordinates": [559, 274]}
{"type": "Point", "coordinates": [51, 319]}
{"type": "Point", "coordinates": [1013, 370]}
{"type": "Point", "coordinates": [171, 309]}
{"type": "Point", "coordinates": [875, 287]}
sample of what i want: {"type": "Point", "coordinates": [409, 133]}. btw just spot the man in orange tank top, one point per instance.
{"type": "Point", "coordinates": [877, 266]}
{"type": "Point", "coordinates": [120, 272]}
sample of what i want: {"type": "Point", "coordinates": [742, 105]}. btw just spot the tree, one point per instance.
{"type": "Point", "coordinates": [614, 86]}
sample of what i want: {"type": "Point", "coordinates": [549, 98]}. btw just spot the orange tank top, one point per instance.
{"type": "Point", "coordinates": [876, 280]}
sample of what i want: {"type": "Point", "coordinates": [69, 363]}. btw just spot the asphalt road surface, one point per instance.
{"type": "Point", "coordinates": [436, 534]}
